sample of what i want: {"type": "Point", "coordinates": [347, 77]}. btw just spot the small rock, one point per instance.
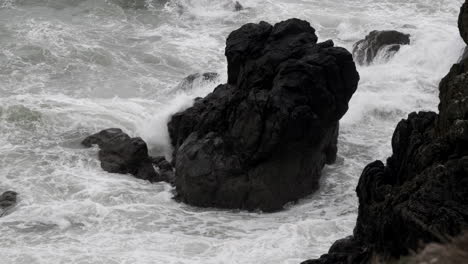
{"type": "Point", "coordinates": [365, 51]}
{"type": "Point", "coordinates": [238, 6]}
{"type": "Point", "coordinates": [189, 82]}
{"type": "Point", "coordinates": [7, 201]}
{"type": "Point", "coordinates": [122, 154]}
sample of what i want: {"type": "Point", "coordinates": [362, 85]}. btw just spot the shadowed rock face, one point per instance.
{"type": "Point", "coordinates": [463, 22]}
{"type": "Point", "coordinates": [121, 154]}
{"type": "Point", "coordinates": [421, 195]}
{"type": "Point", "coordinates": [262, 139]}
{"type": "Point", "coordinates": [365, 51]}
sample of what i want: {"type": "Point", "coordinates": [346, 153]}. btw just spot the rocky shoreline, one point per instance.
{"type": "Point", "coordinates": [262, 139]}
{"type": "Point", "coordinates": [421, 195]}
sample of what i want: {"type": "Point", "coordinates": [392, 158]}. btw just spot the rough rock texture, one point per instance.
{"type": "Point", "coordinates": [365, 50]}
{"type": "Point", "coordinates": [262, 139]}
{"type": "Point", "coordinates": [421, 194]}
{"type": "Point", "coordinates": [120, 153]}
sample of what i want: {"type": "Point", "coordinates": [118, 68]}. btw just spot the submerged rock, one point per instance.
{"type": "Point", "coordinates": [238, 6]}
{"type": "Point", "coordinates": [421, 195]}
{"type": "Point", "coordinates": [137, 4]}
{"type": "Point", "coordinates": [262, 139]}
{"type": "Point", "coordinates": [7, 201]}
{"type": "Point", "coordinates": [197, 79]}
{"type": "Point", "coordinates": [387, 42]}
{"type": "Point", "coordinates": [120, 153]}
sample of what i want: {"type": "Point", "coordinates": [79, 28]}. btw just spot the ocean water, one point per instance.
{"type": "Point", "coordinates": [69, 68]}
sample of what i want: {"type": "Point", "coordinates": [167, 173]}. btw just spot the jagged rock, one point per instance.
{"type": "Point", "coordinates": [421, 195]}
{"type": "Point", "coordinates": [197, 78]}
{"type": "Point", "coordinates": [121, 154]}
{"type": "Point", "coordinates": [262, 139]}
{"type": "Point", "coordinates": [453, 96]}
{"type": "Point", "coordinates": [7, 201]}
{"type": "Point", "coordinates": [388, 42]}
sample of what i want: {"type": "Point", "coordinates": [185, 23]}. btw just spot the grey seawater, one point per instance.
{"type": "Point", "coordinates": [72, 67]}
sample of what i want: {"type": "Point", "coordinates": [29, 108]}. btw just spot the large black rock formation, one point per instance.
{"type": "Point", "coordinates": [387, 41]}
{"type": "Point", "coordinates": [262, 139]}
{"type": "Point", "coordinates": [421, 194]}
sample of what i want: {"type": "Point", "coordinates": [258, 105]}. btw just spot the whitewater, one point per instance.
{"type": "Point", "coordinates": [69, 68]}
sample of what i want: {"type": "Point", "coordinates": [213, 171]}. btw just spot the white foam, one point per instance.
{"type": "Point", "coordinates": [114, 67]}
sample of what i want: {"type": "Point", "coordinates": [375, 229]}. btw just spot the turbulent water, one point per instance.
{"type": "Point", "coordinates": [69, 68]}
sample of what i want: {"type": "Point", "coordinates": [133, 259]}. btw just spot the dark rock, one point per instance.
{"type": "Point", "coordinates": [463, 22]}
{"type": "Point", "coordinates": [421, 195]}
{"type": "Point", "coordinates": [464, 54]}
{"type": "Point", "coordinates": [343, 251]}
{"type": "Point", "coordinates": [238, 6]}
{"type": "Point", "coordinates": [364, 51]}
{"type": "Point", "coordinates": [165, 169]}
{"type": "Point", "coordinates": [262, 139]}
{"type": "Point", "coordinates": [7, 201]}
{"type": "Point", "coordinates": [121, 154]}
{"type": "Point", "coordinates": [197, 78]}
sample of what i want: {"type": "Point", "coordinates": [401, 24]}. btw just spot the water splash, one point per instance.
{"type": "Point", "coordinates": [71, 68]}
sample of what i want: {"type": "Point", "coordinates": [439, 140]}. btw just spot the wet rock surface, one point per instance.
{"type": "Point", "coordinates": [197, 79]}
{"type": "Point", "coordinates": [387, 42]}
{"type": "Point", "coordinates": [119, 153]}
{"type": "Point", "coordinates": [420, 195]}
{"type": "Point", "coordinates": [262, 139]}
{"type": "Point", "coordinates": [7, 201]}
